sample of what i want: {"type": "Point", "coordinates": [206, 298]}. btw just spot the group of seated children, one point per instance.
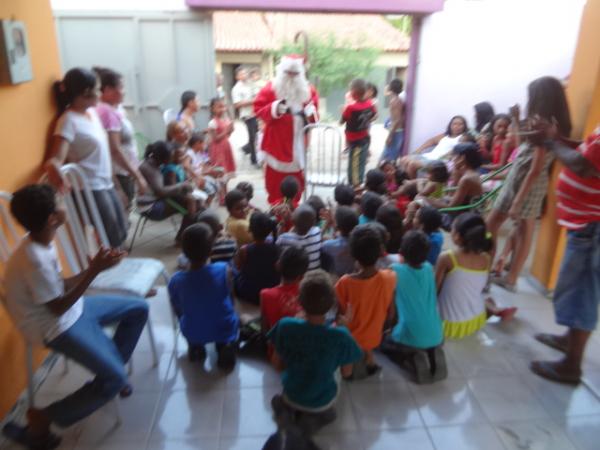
{"type": "Point", "coordinates": [379, 282]}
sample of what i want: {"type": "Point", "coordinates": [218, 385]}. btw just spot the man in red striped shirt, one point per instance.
{"type": "Point", "coordinates": [577, 292]}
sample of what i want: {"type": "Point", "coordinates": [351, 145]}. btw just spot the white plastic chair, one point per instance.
{"type": "Point", "coordinates": [131, 277]}
{"type": "Point", "coordinates": [323, 157]}
{"type": "Point", "coordinates": [169, 115]}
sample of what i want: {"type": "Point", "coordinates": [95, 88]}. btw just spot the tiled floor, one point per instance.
{"type": "Point", "coordinates": [489, 400]}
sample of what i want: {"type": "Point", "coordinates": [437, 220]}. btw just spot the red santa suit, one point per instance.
{"type": "Point", "coordinates": [284, 141]}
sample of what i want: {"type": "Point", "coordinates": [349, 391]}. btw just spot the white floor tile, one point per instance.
{"type": "Point", "coordinates": [583, 431]}
{"type": "Point", "coordinates": [197, 443]}
{"type": "Point", "coordinates": [250, 372]}
{"type": "Point", "coordinates": [183, 414]}
{"type": "Point", "coordinates": [409, 438]}
{"type": "Point", "coordinates": [448, 402]}
{"type": "Point", "coordinates": [184, 374]}
{"type": "Point", "coordinates": [247, 412]}
{"type": "Point", "coordinates": [478, 356]}
{"type": "Point", "coordinates": [342, 441]}
{"type": "Point", "coordinates": [507, 398]}
{"type": "Point", "coordinates": [465, 437]}
{"type": "Point", "coordinates": [384, 406]}
{"type": "Point", "coordinates": [542, 435]}
{"type": "Point", "coordinates": [243, 442]}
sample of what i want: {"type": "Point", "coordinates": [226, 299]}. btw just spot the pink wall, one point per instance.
{"type": "Point", "coordinates": [356, 6]}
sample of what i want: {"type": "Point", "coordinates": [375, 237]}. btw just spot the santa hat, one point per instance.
{"type": "Point", "coordinates": [292, 63]}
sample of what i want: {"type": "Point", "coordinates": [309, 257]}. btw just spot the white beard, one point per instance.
{"type": "Point", "coordinates": [294, 90]}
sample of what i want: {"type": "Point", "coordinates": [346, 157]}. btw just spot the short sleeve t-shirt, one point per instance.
{"type": "Point", "coordinates": [312, 354]}
{"type": "Point", "coordinates": [370, 299]}
{"type": "Point", "coordinates": [244, 91]}
{"type": "Point", "coordinates": [88, 146]}
{"type": "Point", "coordinates": [279, 302]}
{"type": "Point", "coordinates": [436, 241]}
{"type": "Point", "coordinates": [203, 301]}
{"type": "Point", "coordinates": [579, 198]}
{"type": "Point", "coordinates": [358, 117]}
{"type": "Point", "coordinates": [239, 230]}
{"type": "Point", "coordinates": [338, 252]}
{"type": "Point", "coordinates": [114, 119]}
{"type": "Point", "coordinates": [419, 324]}
{"type": "Point", "coordinates": [311, 242]}
{"type": "Point", "coordinates": [32, 279]}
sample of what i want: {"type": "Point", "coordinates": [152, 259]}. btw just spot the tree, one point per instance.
{"type": "Point", "coordinates": [333, 64]}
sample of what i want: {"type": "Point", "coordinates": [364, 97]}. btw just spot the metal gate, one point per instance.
{"type": "Point", "coordinates": [159, 54]}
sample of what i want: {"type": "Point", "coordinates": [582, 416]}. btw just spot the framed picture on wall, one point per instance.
{"type": "Point", "coordinates": [15, 60]}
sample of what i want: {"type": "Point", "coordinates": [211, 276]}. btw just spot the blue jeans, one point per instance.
{"type": "Point", "coordinates": [87, 344]}
{"type": "Point", "coordinates": [392, 152]}
{"type": "Point", "coordinates": [577, 292]}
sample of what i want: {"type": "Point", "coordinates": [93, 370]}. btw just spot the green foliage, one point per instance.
{"type": "Point", "coordinates": [402, 23]}
{"type": "Point", "coordinates": [333, 64]}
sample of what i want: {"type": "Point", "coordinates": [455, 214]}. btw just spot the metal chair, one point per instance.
{"type": "Point", "coordinates": [324, 157]}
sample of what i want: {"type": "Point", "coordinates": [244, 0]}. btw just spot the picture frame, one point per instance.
{"type": "Point", "coordinates": [15, 58]}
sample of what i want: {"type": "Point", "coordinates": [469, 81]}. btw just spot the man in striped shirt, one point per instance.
{"type": "Point", "coordinates": [304, 234]}
{"type": "Point", "coordinates": [577, 292]}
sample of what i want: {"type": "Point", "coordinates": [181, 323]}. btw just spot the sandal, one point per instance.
{"type": "Point", "coordinates": [501, 281]}
{"type": "Point", "coordinates": [552, 341]}
{"type": "Point", "coordinates": [21, 435]}
{"type": "Point", "coordinates": [547, 370]}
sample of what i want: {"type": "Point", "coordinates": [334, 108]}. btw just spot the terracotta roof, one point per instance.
{"type": "Point", "coordinates": [250, 32]}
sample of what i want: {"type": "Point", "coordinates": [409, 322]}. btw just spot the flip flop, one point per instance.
{"type": "Point", "coordinates": [507, 314]}
{"type": "Point", "coordinates": [551, 341]}
{"type": "Point", "coordinates": [501, 281]}
{"type": "Point", "coordinates": [21, 435]}
{"type": "Point", "coordinates": [547, 370]}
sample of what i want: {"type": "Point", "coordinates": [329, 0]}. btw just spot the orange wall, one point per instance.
{"type": "Point", "coordinates": [25, 113]}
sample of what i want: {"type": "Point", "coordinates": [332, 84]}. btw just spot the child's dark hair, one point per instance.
{"type": "Point", "coordinates": [75, 83]}
{"type": "Point", "coordinates": [108, 77]}
{"type": "Point", "coordinates": [261, 225]}
{"type": "Point", "coordinates": [471, 153]}
{"type": "Point", "coordinates": [411, 190]}
{"type": "Point", "coordinates": [438, 171]}
{"type": "Point", "coordinates": [213, 102]}
{"type": "Point", "coordinates": [247, 188]}
{"type": "Point", "coordinates": [449, 127]}
{"type": "Point", "coordinates": [304, 218]}
{"type": "Point", "coordinates": [316, 203]}
{"type": "Point", "coordinates": [370, 203]}
{"type": "Point", "coordinates": [415, 248]}
{"type": "Point", "coordinates": [396, 86]}
{"type": "Point", "coordinates": [196, 137]}
{"type": "Point", "coordinates": [498, 117]}
{"type": "Point", "coordinates": [375, 181]}
{"type": "Point", "coordinates": [210, 218]}
{"type": "Point", "coordinates": [160, 151]}
{"type": "Point", "coordinates": [293, 262]}
{"type": "Point", "coordinates": [186, 97]}
{"type": "Point", "coordinates": [197, 241]}
{"type": "Point", "coordinates": [344, 195]}
{"type": "Point", "coordinates": [359, 86]}
{"type": "Point", "coordinates": [546, 98]}
{"type": "Point", "coordinates": [289, 187]}
{"type": "Point", "coordinates": [346, 219]}
{"type": "Point", "coordinates": [391, 218]}
{"type": "Point", "coordinates": [473, 233]}
{"type": "Point", "coordinates": [401, 176]}
{"type": "Point", "coordinates": [430, 218]}
{"type": "Point", "coordinates": [366, 244]}
{"type": "Point", "coordinates": [484, 112]}
{"type": "Point", "coordinates": [32, 205]}
{"type": "Point", "coordinates": [317, 295]}
{"type": "Point", "coordinates": [233, 197]}
{"type": "Point", "coordinates": [384, 163]}
{"type": "Point", "coordinates": [372, 87]}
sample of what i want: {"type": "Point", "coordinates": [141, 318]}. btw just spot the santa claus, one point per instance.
{"type": "Point", "coordinates": [286, 105]}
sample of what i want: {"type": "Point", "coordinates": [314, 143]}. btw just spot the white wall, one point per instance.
{"type": "Point", "coordinates": [119, 5]}
{"type": "Point", "coordinates": [489, 50]}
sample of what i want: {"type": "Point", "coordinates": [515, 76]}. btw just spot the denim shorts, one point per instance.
{"type": "Point", "coordinates": [577, 293]}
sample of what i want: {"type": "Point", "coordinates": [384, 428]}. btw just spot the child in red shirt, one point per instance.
{"type": "Point", "coordinates": [282, 300]}
{"type": "Point", "coordinates": [358, 117]}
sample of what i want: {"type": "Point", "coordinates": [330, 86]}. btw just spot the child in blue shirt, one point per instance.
{"type": "Point", "coordinates": [201, 299]}
{"type": "Point", "coordinates": [429, 220]}
{"type": "Point", "coordinates": [369, 204]}
{"type": "Point", "coordinates": [310, 352]}
{"type": "Point", "coordinates": [335, 254]}
{"type": "Point", "coordinates": [416, 340]}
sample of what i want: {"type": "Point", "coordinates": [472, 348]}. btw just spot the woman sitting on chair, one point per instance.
{"type": "Point", "coordinates": [162, 201]}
